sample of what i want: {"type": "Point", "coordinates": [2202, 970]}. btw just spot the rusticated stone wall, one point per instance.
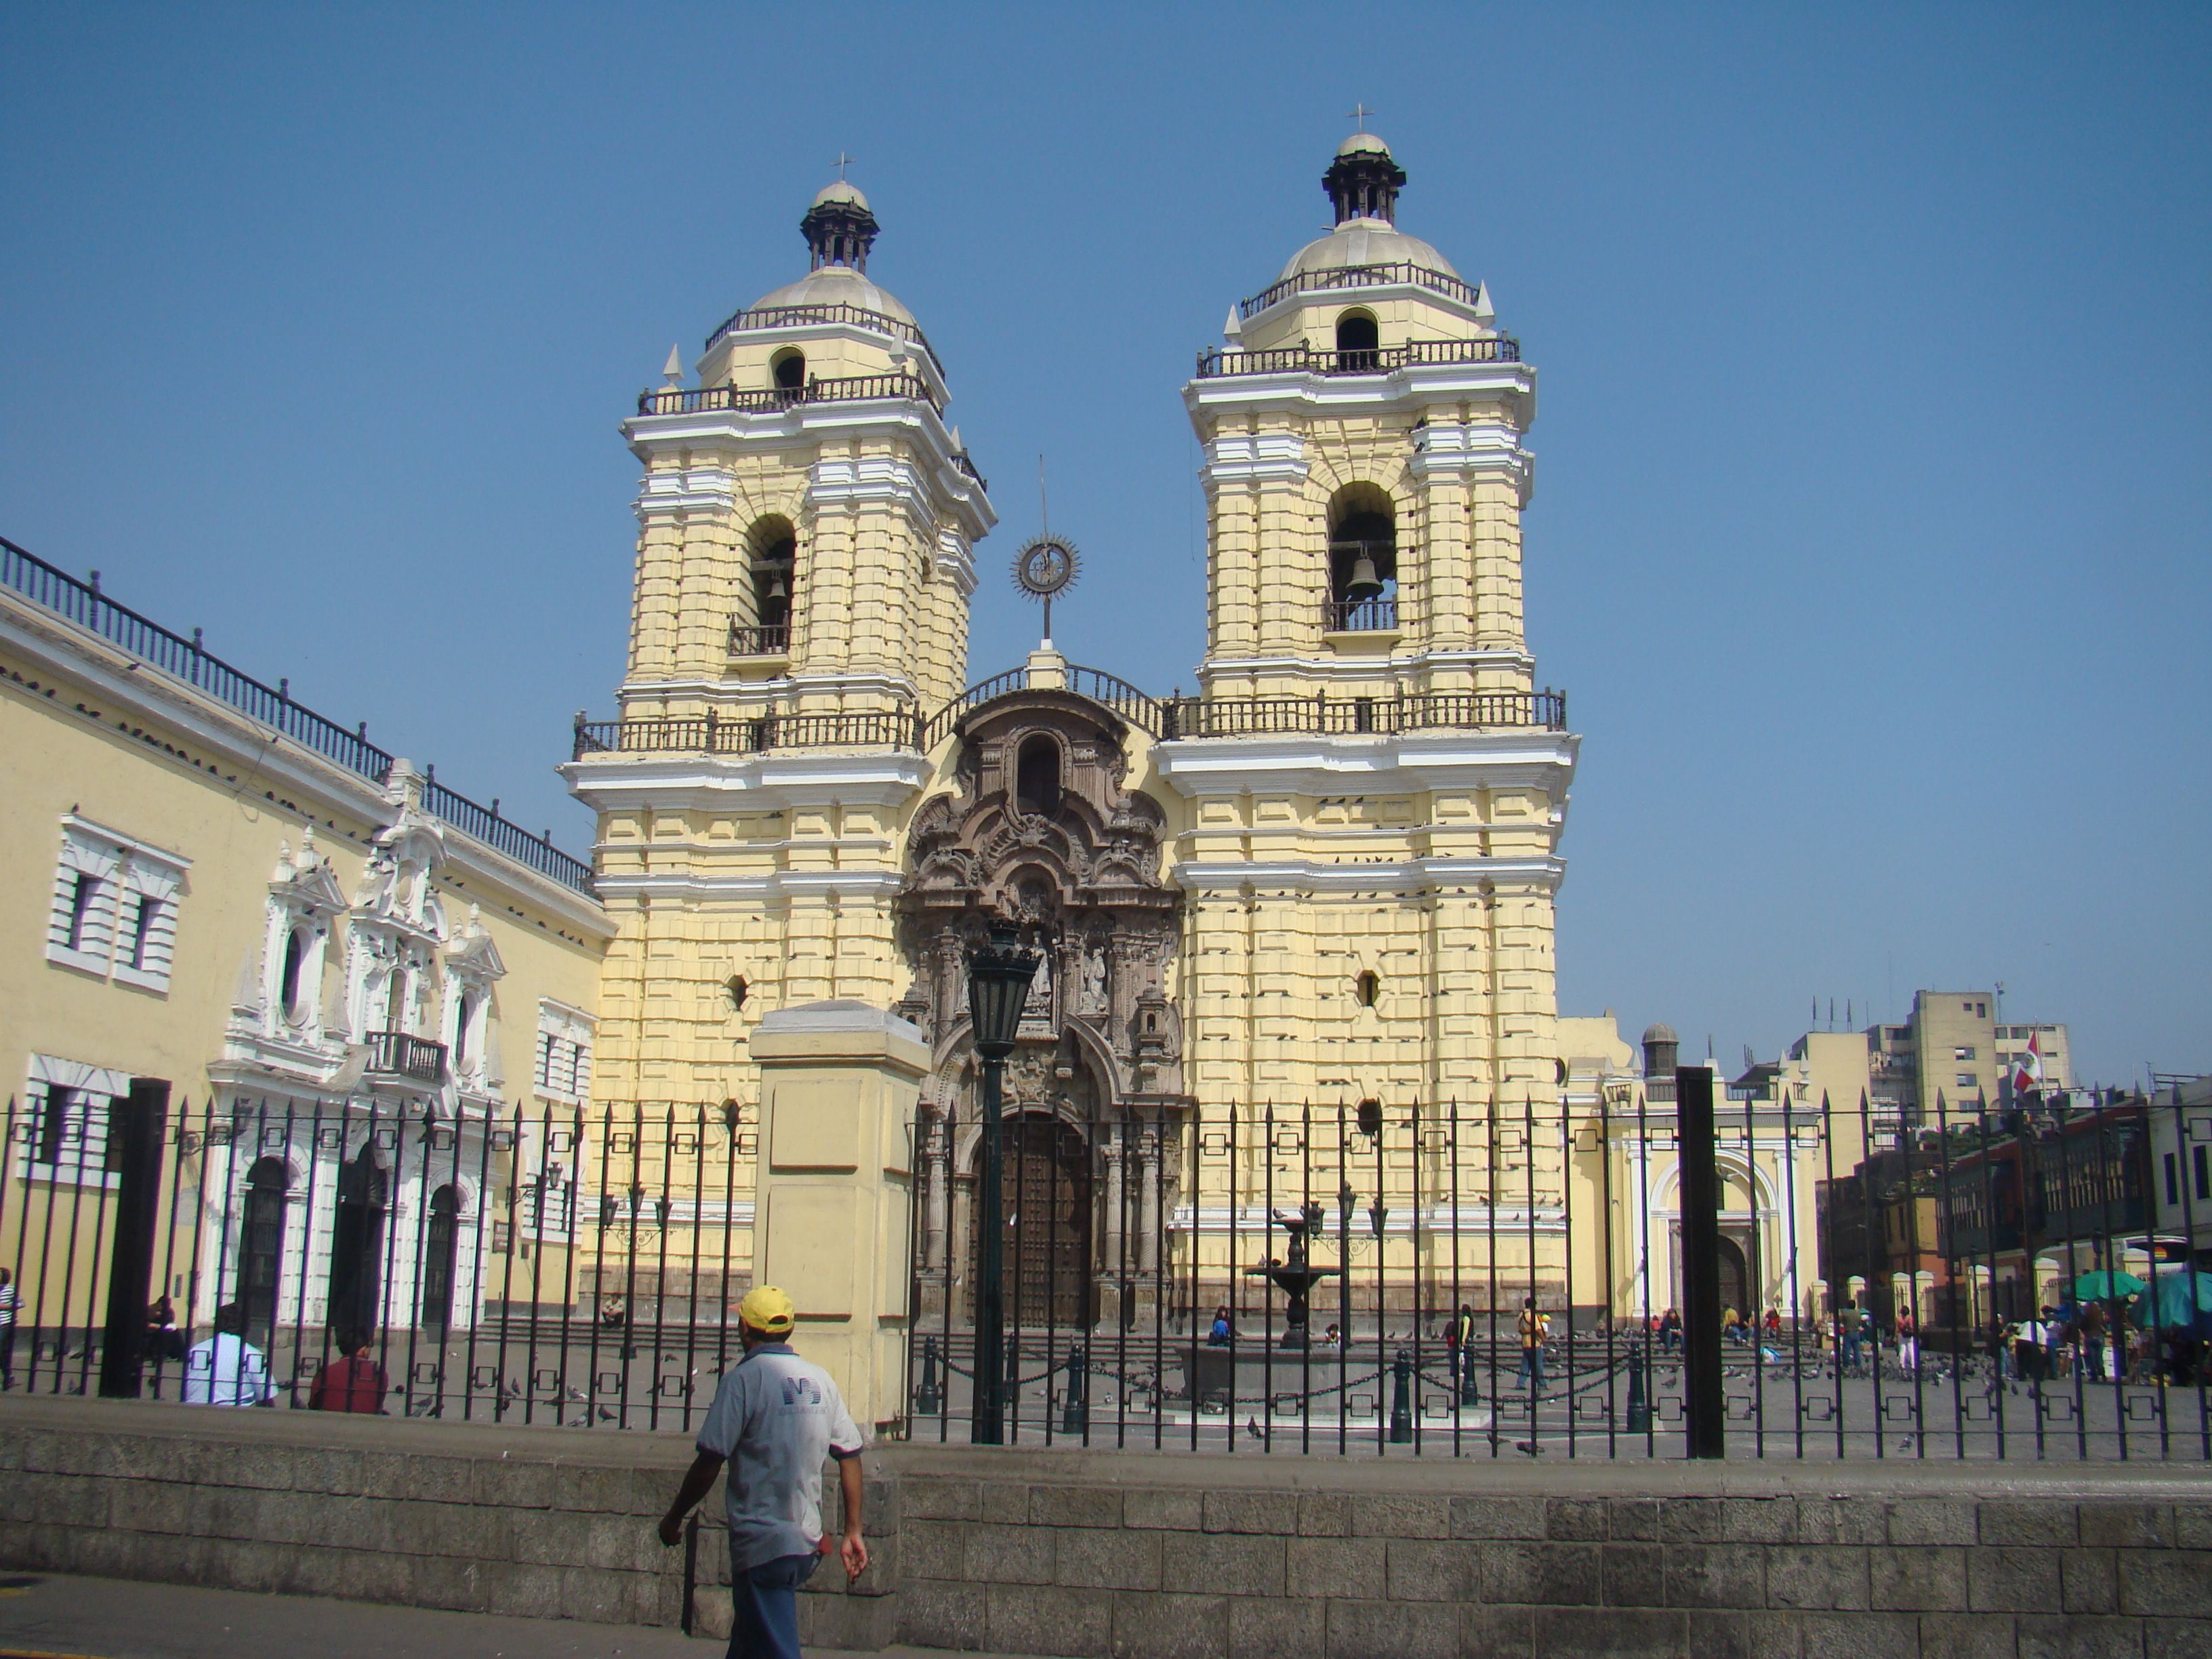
{"type": "Point", "coordinates": [1141, 1555]}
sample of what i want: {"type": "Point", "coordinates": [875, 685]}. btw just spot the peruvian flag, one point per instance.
{"type": "Point", "coordinates": [2027, 1071]}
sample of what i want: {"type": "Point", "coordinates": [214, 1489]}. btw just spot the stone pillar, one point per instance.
{"type": "Point", "coordinates": [1148, 1205]}
{"type": "Point", "coordinates": [839, 1086]}
{"type": "Point", "coordinates": [1117, 1267]}
{"type": "Point", "coordinates": [937, 1172]}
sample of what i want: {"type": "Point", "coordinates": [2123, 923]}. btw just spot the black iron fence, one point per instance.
{"type": "Point", "coordinates": [767, 400]}
{"type": "Point", "coordinates": [1507, 1278]}
{"type": "Point", "coordinates": [1491, 1279]}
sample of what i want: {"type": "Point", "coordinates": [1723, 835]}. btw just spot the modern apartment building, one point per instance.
{"type": "Point", "coordinates": [1956, 1045]}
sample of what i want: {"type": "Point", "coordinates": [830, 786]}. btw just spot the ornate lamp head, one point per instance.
{"type": "Point", "coordinates": [999, 976]}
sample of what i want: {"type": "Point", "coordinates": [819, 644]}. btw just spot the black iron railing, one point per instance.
{"type": "Point", "coordinates": [760, 640]}
{"type": "Point", "coordinates": [766, 400]}
{"type": "Point", "coordinates": [398, 1053]}
{"type": "Point", "coordinates": [1140, 708]}
{"type": "Point", "coordinates": [746, 734]}
{"type": "Point", "coordinates": [1220, 361]}
{"type": "Point", "coordinates": [1372, 616]}
{"type": "Point", "coordinates": [1250, 1279]}
{"type": "Point", "coordinates": [1392, 275]}
{"type": "Point", "coordinates": [83, 603]}
{"type": "Point", "coordinates": [1477, 711]}
{"type": "Point", "coordinates": [875, 322]}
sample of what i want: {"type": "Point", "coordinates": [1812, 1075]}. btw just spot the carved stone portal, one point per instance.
{"type": "Point", "coordinates": [1040, 832]}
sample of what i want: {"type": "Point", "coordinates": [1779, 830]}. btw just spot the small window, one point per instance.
{"type": "Point", "coordinates": [1981, 1010]}
{"type": "Point", "coordinates": [2172, 1179]}
{"type": "Point", "coordinates": [1967, 1079]}
{"type": "Point", "coordinates": [1357, 338]}
{"type": "Point", "coordinates": [1036, 777]}
{"type": "Point", "coordinates": [2201, 1167]}
{"type": "Point", "coordinates": [464, 1019]}
{"type": "Point", "coordinates": [114, 908]}
{"type": "Point", "coordinates": [789, 368]}
{"type": "Point", "coordinates": [1964, 1051]}
{"type": "Point", "coordinates": [296, 952]}
{"type": "Point", "coordinates": [1367, 987]}
{"type": "Point", "coordinates": [738, 988]}
{"type": "Point", "coordinates": [1370, 1118]}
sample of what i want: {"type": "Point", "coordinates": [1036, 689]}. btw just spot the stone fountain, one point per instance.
{"type": "Point", "coordinates": [1294, 1277]}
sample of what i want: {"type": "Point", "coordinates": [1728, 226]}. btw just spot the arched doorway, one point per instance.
{"type": "Point", "coordinates": [1734, 1278]}
{"type": "Point", "coordinates": [1046, 1237]}
{"type": "Point", "coordinates": [357, 1244]}
{"type": "Point", "coordinates": [439, 1234]}
{"type": "Point", "coordinates": [261, 1247]}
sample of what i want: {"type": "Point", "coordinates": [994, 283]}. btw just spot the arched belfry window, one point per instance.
{"type": "Point", "coordinates": [773, 557]}
{"type": "Point", "coordinates": [1036, 777]}
{"type": "Point", "coordinates": [1357, 342]}
{"type": "Point", "coordinates": [1363, 561]}
{"type": "Point", "coordinates": [789, 368]}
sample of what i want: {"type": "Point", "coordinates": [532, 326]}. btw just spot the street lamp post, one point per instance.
{"type": "Point", "coordinates": [999, 976]}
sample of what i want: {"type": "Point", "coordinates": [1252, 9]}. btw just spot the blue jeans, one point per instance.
{"type": "Point", "coordinates": [765, 1608]}
{"type": "Point", "coordinates": [1532, 1364]}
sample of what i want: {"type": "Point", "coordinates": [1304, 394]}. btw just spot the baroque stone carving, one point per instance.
{"type": "Point", "coordinates": [1040, 831]}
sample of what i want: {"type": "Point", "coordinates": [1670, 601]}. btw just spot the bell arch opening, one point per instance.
{"type": "Point", "coordinates": [1363, 559]}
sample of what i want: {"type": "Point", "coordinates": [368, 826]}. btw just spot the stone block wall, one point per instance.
{"type": "Point", "coordinates": [1104, 1555]}
{"type": "Point", "coordinates": [1221, 1559]}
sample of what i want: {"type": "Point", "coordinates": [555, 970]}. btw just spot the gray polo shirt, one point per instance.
{"type": "Point", "coordinates": [775, 1417]}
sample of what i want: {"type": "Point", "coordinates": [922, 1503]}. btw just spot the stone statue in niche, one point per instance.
{"type": "Point", "coordinates": [1094, 979]}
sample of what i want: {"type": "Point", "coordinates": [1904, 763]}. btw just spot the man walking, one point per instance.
{"type": "Point", "coordinates": [1534, 1326]}
{"type": "Point", "coordinates": [773, 1420]}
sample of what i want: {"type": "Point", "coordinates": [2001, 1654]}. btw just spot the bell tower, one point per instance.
{"type": "Point", "coordinates": [1364, 473]}
{"type": "Point", "coordinates": [1377, 788]}
{"type": "Point", "coordinates": [807, 520]}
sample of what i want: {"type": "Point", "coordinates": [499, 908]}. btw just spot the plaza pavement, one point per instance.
{"type": "Point", "coordinates": [54, 1616]}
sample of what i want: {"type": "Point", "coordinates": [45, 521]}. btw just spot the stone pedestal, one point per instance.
{"type": "Point", "coordinates": [839, 1081]}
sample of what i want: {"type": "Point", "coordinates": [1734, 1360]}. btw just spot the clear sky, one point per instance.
{"type": "Point", "coordinates": [1870, 534]}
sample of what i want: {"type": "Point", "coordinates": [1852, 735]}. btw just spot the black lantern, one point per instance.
{"type": "Point", "coordinates": [999, 976]}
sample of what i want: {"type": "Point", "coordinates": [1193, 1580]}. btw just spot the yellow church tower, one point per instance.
{"type": "Point", "coordinates": [805, 562]}
{"type": "Point", "coordinates": [1376, 788]}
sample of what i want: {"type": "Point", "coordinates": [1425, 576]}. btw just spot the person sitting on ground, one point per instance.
{"type": "Point", "coordinates": [226, 1369]}
{"type": "Point", "coordinates": [776, 1418]}
{"type": "Point", "coordinates": [351, 1382]}
{"type": "Point", "coordinates": [1222, 1333]}
{"type": "Point", "coordinates": [613, 1310]}
{"type": "Point", "coordinates": [1332, 1338]}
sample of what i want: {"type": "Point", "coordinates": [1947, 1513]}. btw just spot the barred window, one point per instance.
{"type": "Point", "coordinates": [114, 912]}
{"type": "Point", "coordinates": [69, 1134]}
{"type": "Point", "coordinates": [563, 1070]}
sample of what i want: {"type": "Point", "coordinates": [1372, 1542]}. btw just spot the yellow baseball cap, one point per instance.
{"type": "Point", "coordinates": [767, 1310]}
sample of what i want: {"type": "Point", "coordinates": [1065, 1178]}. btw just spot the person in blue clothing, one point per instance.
{"type": "Point", "coordinates": [775, 1418]}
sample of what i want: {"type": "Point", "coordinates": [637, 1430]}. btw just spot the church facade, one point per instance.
{"type": "Point", "coordinates": [1324, 882]}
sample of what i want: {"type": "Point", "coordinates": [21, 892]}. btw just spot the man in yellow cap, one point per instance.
{"type": "Point", "coordinates": [774, 1419]}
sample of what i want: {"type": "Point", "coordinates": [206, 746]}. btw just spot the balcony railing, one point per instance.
{"type": "Point", "coordinates": [1324, 715]}
{"type": "Point", "coordinates": [767, 400]}
{"type": "Point", "coordinates": [746, 734]}
{"type": "Point", "coordinates": [83, 603]}
{"type": "Point", "coordinates": [1166, 717]}
{"type": "Point", "coordinates": [1218, 361]}
{"type": "Point", "coordinates": [804, 316]}
{"type": "Point", "coordinates": [396, 1054]}
{"type": "Point", "coordinates": [1375, 616]}
{"type": "Point", "coordinates": [760, 640]}
{"type": "Point", "coordinates": [1392, 275]}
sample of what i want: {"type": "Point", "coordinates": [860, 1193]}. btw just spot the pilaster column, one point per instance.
{"type": "Point", "coordinates": [1115, 1264]}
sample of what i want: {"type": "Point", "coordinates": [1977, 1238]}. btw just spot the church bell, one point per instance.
{"type": "Point", "coordinates": [1364, 584]}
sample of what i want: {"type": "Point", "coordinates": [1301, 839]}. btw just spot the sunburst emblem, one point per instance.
{"type": "Point", "coordinates": [1047, 566]}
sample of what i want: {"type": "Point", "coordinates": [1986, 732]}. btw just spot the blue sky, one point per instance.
{"type": "Point", "coordinates": [1871, 528]}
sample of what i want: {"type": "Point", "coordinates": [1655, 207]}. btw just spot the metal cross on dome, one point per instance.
{"type": "Point", "coordinates": [1359, 116]}
{"type": "Point", "coordinates": [844, 162]}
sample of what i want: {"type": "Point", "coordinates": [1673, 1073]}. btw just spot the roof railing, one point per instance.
{"type": "Point", "coordinates": [767, 400]}
{"type": "Point", "coordinates": [1401, 275]}
{"type": "Point", "coordinates": [1217, 361]}
{"type": "Point", "coordinates": [875, 322]}
{"type": "Point", "coordinates": [188, 660]}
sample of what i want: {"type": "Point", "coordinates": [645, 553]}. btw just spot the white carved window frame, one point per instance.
{"type": "Point", "coordinates": [560, 1062]}
{"type": "Point", "coordinates": [469, 1026]}
{"type": "Point", "coordinates": [294, 909]}
{"type": "Point", "coordinates": [127, 931]}
{"type": "Point", "coordinates": [81, 1094]}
